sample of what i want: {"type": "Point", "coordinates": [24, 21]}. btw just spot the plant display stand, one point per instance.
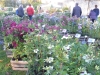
{"type": "Point", "coordinates": [19, 65]}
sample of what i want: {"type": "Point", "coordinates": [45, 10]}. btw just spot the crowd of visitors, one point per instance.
{"type": "Point", "coordinates": [77, 11]}
{"type": "Point", "coordinates": [29, 10]}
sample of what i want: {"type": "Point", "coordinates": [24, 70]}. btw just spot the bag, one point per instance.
{"type": "Point", "coordinates": [17, 12]}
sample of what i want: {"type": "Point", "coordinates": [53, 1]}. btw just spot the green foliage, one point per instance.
{"type": "Point", "coordinates": [85, 30]}
{"type": "Point", "coordinates": [58, 10]}
{"type": "Point", "coordinates": [35, 5]}
{"type": "Point", "coordinates": [5, 67]}
{"type": "Point", "coordinates": [72, 28]}
{"type": "Point", "coordinates": [75, 59]}
{"type": "Point", "coordinates": [52, 10]}
{"type": "Point", "coordinates": [9, 13]}
{"type": "Point", "coordinates": [67, 13]}
{"type": "Point", "coordinates": [92, 31]}
{"type": "Point", "coordinates": [95, 33]}
{"type": "Point", "coordinates": [1, 13]}
{"type": "Point", "coordinates": [8, 39]}
{"type": "Point", "coordinates": [65, 8]}
{"type": "Point", "coordinates": [10, 3]}
{"type": "Point", "coordinates": [10, 9]}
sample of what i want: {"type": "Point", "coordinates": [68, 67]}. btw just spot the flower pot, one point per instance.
{"type": "Point", "coordinates": [19, 65]}
{"type": "Point", "coordinates": [9, 53]}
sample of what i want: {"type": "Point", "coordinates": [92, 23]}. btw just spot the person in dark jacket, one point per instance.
{"type": "Point", "coordinates": [20, 11]}
{"type": "Point", "coordinates": [92, 16]}
{"type": "Point", "coordinates": [96, 10]}
{"type": "Point", "coordinates": [77, 11]}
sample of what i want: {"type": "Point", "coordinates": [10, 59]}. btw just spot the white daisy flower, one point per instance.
{"type": "Point", "coordinates": [50, 46]}
{"type": "Point", "coordinates": [49, 60]}
{"type": "Point", "coordinates": [35, 50]}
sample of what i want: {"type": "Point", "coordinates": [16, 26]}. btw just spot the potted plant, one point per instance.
{"type": "Point", "coordinates": [14, 35]}
{"type": "Point", "coordinates": [18, 43]}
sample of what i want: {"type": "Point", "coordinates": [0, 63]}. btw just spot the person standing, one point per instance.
{"type": "Point", "coordinates": [96, 10]}
{"type": "Point", "coordinates": [20, 11]}
{"type": "Point", "coordinates": [92, 16]}
{"type": "Point", "coordinates": [77, 11]}
{"type": "Point", "coordinates": [40, 10]}
{"type": "Point", "coordinates": [30, 11]}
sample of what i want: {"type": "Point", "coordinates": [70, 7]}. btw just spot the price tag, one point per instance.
{"type": "Point", "coordinates": [64, 30]}
{"type": "Point", "coordinates": [91, 40]}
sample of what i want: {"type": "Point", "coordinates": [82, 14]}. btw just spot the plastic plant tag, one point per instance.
{"type": "Point", "coordinates": [91, 40]}
{"type": "Point", "coordinates": [77, 35]}
{"type": "Point", "coordinates": [64, 30]}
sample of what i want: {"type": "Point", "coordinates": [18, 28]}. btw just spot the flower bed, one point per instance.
{"type": "Point", "coordinates": [51, 50]}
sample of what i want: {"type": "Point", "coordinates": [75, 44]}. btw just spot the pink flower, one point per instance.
{"type": "Point", "coordinates": [36, 26]}
{"type": "Point", "coordinates": [13, 24]}
{"type": "Point", "coordinates": [25, 29]}
{"type": "Point", "coordinates": [8, 32]}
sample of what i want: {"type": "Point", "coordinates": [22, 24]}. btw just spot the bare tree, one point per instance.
{"type": "Point", "coordinates": [88, 8]}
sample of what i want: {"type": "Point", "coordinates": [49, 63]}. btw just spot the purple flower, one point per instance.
{"type": "Point", "coordinates": [8, 32]}
{"type": "Point", "coordinates": [25, 29]}
{"type": "Point", "coordinates": [31, 29]}
{"type": "Point", "coordinates": [63, 24]}
{"type": "Point", "coordinates": [36, 26]}
{"type": "Point", "coordinates": [40, 21]}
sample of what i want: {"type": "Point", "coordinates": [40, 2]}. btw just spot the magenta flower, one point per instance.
{"type": "Point", "coordinates": [8, 32]}
{"type": "Point", "coordinates": [31, 29]}
{"type": "Point", "coordinates": [13, 24]}
{"type": "Point", "coordinates": [25, 29]}
{"type": "Point", "coordinates": [14, 44]}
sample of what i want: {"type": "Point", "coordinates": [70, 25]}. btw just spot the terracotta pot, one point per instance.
{"type": "Point", "coordinates": [19, 65]}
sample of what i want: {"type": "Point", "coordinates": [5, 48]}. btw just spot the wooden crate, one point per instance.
{"type": "Point", "coordinates": [9, 53]}
{"type": "Point", "coordinates": [19, 65]}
